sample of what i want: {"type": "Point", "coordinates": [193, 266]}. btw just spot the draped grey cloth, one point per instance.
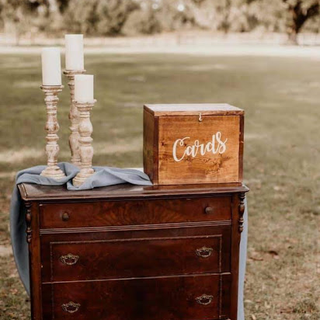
{"type": "Point", "coordinates": [103, 176]}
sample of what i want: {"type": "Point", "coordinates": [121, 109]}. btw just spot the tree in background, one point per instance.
{"type": "Point", "coordinates": [288, 16]}
{"type": "Point", "coordinates": [243, 16]}
{"type": "Point", "coordinates": [113, 14]}
{"type": "Point", "coordinates": [97, 17]}
{"type": "Point", "coordinates": [62, 5]}
{"type": "Point", "coordinates": [81, 17]}
{"type": "Point", "coordinates": [226, 23]}
{"type": "Point", "coordinates": [16, 16]}
{"type": "Point", "coordinates": [146, 20]}
{"type": "Point", "coordinates": [224, 15]}
{"type": "Point", "coordinates": [267, 15]}
{"type": "Point", "coordinates": [187, 14]}
{"type": "Point", "coordinates": [115, 17]}
{"type": "Point", "coordinates": [297, 13]}
{"type": "Point", "coordinates": [156, 16]}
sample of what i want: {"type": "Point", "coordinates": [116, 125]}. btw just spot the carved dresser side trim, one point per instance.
{"type": "Point", "coordinates": [242, 197]}
{"type": "Point", "coordinates": [28, 221]}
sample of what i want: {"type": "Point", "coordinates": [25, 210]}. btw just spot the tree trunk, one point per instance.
{"type": "Point", "coordinates": [292, 37]}
{"type": "Point", "coordinates": [297, 18]}
{"type": "Point", "coordinates": [294, 13]}
{"type": "Point", "coordinates": [226, 17]}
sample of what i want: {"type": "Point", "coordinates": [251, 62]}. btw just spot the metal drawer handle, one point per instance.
{"type": "Point", "coordinates": [204, 299]}
{"type": "Point", "coordinates": [69, 259]}
{"type": "Point", "coordinates": [70, 307]}
{"type": "Point", "coordinates": [208, 210]}
{"type": "Point", "coordinates": [204, 252]}
{"type": "Point", "coordinates": [65, 216]}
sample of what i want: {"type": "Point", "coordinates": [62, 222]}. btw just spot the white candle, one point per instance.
{"type": "Point", "coordinates": [51, 67]}
{"type": "Point", "coordinates": [74, 52]}
{"type": "Point", "coordinates": [83, 87]}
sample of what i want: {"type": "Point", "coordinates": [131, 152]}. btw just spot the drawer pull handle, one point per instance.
{"type": "Point", "coordinates": [208, 210]}
{"type": "Point", "coordinates": [204, 299]}
{"type": "Point", "coordinates": [204, 252]}
{"type": "Point", "coordinates": [70, 307]}
{"type": "Point", "coordinates": [69, 259]}
{"type": "Point", "coordinates": [65, 216]}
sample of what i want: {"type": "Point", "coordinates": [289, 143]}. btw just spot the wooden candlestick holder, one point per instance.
{"type": "Point", "coordinates": [52, 127]}
{"type": "Point", "coordinates": [74, 118]}
{"type": "Point", "coordinates": [86, 149]}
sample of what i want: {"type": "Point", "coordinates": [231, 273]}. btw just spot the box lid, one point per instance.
{"type": "Point", "coordinates": [192, 109]}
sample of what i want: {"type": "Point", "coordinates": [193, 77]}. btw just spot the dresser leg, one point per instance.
{"type": "Point", "coordinates": [33, 239]}
{"type": "Point", "coordinates": [238, 209]}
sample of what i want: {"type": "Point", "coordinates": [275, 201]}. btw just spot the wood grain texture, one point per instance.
{"type": "Point", "coordinates": [104, 213]}
{"type": "Point", "coordinates": [33, 192]}
{"type": "Point", "coordinates": [81, 235]}
{"type": "Point", "coordinates": [235, 253]}
{"type": "Point", "coordinates": [34, 243]}
{"type": "Point", "coordinates": [138, 257]}
{"type": "Point", "coordinates": [210, 168]}
{"type": "Point", "coordinates": [195, 144]}
{"type": "Point", "coordinates": [52, 128]}
{"type": "Point", "coordinates": [154, 227]}
{"type": "Point", "coordinates": [144, 299]}
{"type": "Point", "coordinates": [150, 147]}
{"type": "Point", "coordinates": [192, 109]}
{"type": "Point", "coordinates": [74, 118]}
{"type": "Point", "coordinates": [241, 148]}
{"type": "Point", "coordinates": [85, 142]}
{"type": "Point", "coordinates": [132, 253]}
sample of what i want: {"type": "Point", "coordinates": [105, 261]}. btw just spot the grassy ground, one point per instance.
{"type": "Point", "coordinates": [282, 156]}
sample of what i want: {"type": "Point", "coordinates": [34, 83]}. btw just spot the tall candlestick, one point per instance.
{"type": "Point", "coordinates": [86, 149]}
{"type": "Point", "coordinates": [52, 127]}
{"type": "Point", "coordinates": [74, 66]}
{"type": "Point", "coordinates": [51, 67]}
{"type": "Point", "coordinates": [74, 52]}
{"type": "Point", "coordinates": [83, 88]}
{"type": "Point", "coordinates": [83, 98]}
{"type": "Point", "coordinates": [74, 119]}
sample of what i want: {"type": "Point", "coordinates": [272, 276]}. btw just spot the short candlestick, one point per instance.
{"type": "Point", "coordinates": [52, 127]}
{"type": "Point", "coordinates": [86, 149]}
{"type": "Point", "coordinates": [74, 118]}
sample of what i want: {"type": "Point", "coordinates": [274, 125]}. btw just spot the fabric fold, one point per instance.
{"type": "Point", "coordinates": [103, 176]}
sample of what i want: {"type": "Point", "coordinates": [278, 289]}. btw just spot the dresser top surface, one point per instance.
{"type": "Point", "coordinates": [34, 192]}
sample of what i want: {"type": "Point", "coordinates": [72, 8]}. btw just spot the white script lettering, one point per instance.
{"type": "Point", "coordinates": [216, 145]}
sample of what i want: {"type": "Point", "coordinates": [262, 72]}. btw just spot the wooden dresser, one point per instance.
{"type": "Point", "coordinates": [134, 253]}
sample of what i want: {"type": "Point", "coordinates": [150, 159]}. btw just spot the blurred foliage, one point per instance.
{"type": "Point", "coordinates": [97, 17]}
{"type": "Point", "coordinates": [116, 17]}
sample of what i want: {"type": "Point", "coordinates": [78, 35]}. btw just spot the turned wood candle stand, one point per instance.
{"type": "Point", "coordinates": [85, 147]}
{"type": "Point", "coordinates": [74, 118]}
{"type": "Point", "coordinates": [52, 127]}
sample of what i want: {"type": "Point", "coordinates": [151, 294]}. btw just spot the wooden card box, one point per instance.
{"type": "Point", "coordinates": [193, 143]}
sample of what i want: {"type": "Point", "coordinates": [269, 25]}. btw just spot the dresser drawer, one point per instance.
{"type": "Point", "coordinates": [141, 257]}
{"type": "Point", "coordinates": [188, 298]}
{"type": "Point", "coordinates": [116, 213]}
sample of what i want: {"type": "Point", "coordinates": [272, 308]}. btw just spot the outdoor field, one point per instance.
{"type": "Point", "coordinates": [281, 98]}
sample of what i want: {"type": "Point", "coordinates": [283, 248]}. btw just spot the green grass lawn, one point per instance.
{"type": "Point", "coordinates": [281, 97]}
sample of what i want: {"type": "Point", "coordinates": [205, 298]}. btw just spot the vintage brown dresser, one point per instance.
{"type": "Point", "coordinates": [134, 253]}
